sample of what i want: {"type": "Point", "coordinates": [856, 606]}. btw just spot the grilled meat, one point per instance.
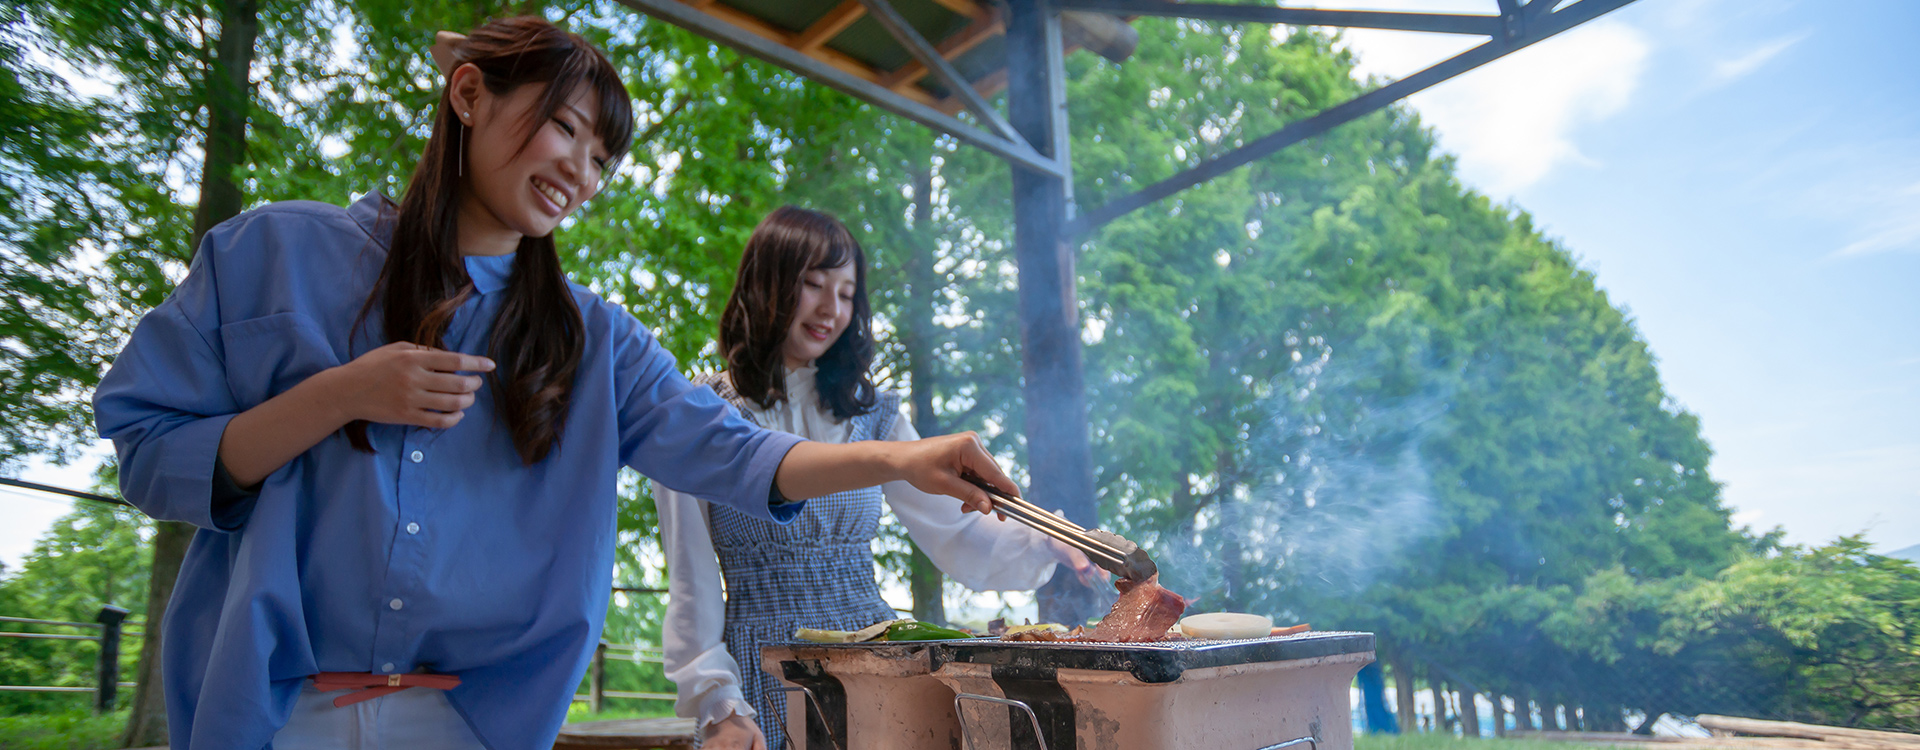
{"type": "Point", "coordinates": [1143, 613]}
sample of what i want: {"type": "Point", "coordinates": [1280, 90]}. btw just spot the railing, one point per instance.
{"type": "Point", "coordinates": [111, 620]}
{"type": "Point", "coordinates": [107, 669]}
{"type": "Point", "coordinates": [597, 691]}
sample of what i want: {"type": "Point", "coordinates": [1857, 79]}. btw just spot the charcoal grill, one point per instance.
{"type": "Point", "coordinates": [1289, 691]}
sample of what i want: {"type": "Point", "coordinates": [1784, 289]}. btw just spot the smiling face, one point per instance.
{"type": "Point", "coordinates": [822, 314]}
{"type": "Point", "coordinates": [523, 176]}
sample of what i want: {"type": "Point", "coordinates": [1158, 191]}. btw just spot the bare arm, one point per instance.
{"type": "Point", "coordinates": [400, 383]}
{"type": "Point", "coordinates": [937, 465]}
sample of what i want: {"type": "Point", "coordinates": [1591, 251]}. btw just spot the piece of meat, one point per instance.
{"type": "Point", "coordinates": [1143, 613]}
{"type": "Point", "coordinates": [1290, 630]}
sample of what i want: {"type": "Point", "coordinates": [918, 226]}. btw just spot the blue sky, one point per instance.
{"type": "Point", "coordinates": [1744, 177]}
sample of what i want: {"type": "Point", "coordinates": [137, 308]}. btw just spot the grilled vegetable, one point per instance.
{"type": "Point", "coordinates": [811, 635]}
{"type": "Point", "coordinates": [909, 630]}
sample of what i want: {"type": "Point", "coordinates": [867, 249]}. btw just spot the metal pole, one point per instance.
{"type": "Point", "coordinates": [1058, 456]}
{"type": "Point", "coordinates": [107, 672]}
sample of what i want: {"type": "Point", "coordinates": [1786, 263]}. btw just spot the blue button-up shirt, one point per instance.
{"type": "Point", "coordinates": [441, 550]}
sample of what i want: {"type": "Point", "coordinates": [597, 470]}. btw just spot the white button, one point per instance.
{"type": "Point", "coordinates": [413, 528]}
{"type": "Point", "coordinates": [418, 457]}
{"type": "Point", "coordinates": [387, 667]}
{"type": "Point", "coordinates": [395, 604]}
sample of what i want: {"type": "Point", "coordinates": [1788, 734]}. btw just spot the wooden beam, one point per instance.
{"type": "Point", "coordinates": [725, 33]}
{"type": "Point", "coordinates": [984, 26]}
{"type": "Point", "coordinates": [829, 26]}
{"type": "Point", "coordinates": [826, 55]}
{"type": "Point", "coordinates": [968, 8]}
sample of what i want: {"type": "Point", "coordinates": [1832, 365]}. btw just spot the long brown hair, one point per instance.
{"type": "Point", "coordinates": [538, 335]}
{"type": "Point", "coordinates": [753, 329]}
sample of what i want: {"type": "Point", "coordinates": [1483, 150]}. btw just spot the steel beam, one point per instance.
{"type": "Point", "coordinates": [1059, 455]}
{"type": "Point", "coordinates": [904, 33]}
{"type": "Point", "coordinates": [1443, 23]}
{"type": "Point", "coordinates": [680, 14]}
{"type": "Point", "coordinates": [1537, 29]}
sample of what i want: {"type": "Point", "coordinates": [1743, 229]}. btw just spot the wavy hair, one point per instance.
{"type": "Point", "coordinates": [766, 294]}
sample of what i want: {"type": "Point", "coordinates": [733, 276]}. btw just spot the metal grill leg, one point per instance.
{"type": "Point", "coordinates": [960, 713]}
{"type": "Point", "coordinates": [1290, 743]}
{"type": "Point", "coordinates": [786, 740]}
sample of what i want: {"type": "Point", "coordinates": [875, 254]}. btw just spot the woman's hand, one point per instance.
{"type": "Point", "coordinates": [1073, 559]}
{"type": "Point", "coordinates": [399, 383]}
{"type": "Point", "coordinates": [943, 465]}
{"type": "Point", "coordinates": [937, 465]}
{"type": "Point", "coordinates": [406, 383]}
{"type": "Point", "coordinates": [734, 733]}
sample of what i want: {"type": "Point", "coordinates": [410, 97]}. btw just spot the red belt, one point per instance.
{"type": "Point", "coordinates": [367, 686]}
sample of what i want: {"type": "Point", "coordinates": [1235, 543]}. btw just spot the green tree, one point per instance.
{"type": "Point", "coordinates": [92, 557]}
{"type": "Point", "coordinates": [1842, 622]}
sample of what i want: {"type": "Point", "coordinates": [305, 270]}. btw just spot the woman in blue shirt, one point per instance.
{"type": "Point", "coordinates": [398, 429]}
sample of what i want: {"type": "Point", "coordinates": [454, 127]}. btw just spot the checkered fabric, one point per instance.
{"type": "Point", "coordinates": [816, 572]}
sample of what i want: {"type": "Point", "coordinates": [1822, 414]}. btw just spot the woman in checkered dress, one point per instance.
{"type": "Point", "coordinates": [797, 338]}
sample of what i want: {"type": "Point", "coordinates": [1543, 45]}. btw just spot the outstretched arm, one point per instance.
{"type": "Point", "coordinates": [937, 465]}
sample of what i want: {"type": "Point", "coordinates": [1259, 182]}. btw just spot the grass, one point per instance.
{"type": "Point", "coordinates": [78, 730]}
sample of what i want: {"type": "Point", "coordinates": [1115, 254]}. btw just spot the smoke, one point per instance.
{"type": "Point", "coordinates": [1334, 486]}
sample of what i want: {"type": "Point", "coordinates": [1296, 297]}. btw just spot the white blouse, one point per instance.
{"type": "Point", "coordinates": [981, 552]}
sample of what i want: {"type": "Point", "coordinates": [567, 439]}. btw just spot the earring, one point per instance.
{"type": "Point", "coordinates": [462, 165]}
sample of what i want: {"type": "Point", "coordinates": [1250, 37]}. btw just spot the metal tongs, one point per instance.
{"type": "Point", "coordinates": [1106, 549]}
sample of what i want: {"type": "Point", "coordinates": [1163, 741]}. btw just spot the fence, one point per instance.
{"type": "Point", "coordinates": [107, 682]}
{"type": "Point", "coordinates": [597, 691]}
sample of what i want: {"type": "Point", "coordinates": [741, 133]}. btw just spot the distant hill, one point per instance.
{"type": "Point", "coordinates": [1910, 553]}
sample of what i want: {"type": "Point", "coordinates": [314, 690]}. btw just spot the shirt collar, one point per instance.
{"type": "Point", "coordinates": [800, 381]}
{"type": "Point", "coordinates": [375, 213]}
{"type": "Point", "coordinates": [490, 272]}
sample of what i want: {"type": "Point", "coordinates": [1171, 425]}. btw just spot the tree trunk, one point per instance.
{"type": "Point", "coordinates": [147, 718]}
{"type": "Point", "coordinates": [1469, 714]}
{"type": "Point", "coordinates": [922, 294]}
{"type": "Point", "coordinates": [229, 100]}
{"type": "Point", "coordinates": [1499, 715]}
{"type": "Point", "coordinates": [1403, 696]}
{"type": "Point", "coordinates": [1609, 718]}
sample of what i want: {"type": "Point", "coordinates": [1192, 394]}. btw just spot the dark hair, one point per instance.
{"type": "Point", "coordinates": [766, 292]}
{"type": "Point", "coordinates": [538, 335]}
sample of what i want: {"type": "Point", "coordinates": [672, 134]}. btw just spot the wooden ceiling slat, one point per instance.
{"type": "Point", "coordinates": [969, 8]}
{"type": "Point", "coordinates": [984, 27]}
{"type": "Point", "coordinates": [824, 54]}
{"type": "Point", "coordinates": [829, 26]}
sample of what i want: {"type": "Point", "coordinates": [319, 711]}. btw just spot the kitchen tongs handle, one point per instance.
{"type": "Point", "coordinates": [1054, 526]}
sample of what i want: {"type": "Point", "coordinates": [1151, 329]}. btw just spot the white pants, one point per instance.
{"type": "Point", "coordinates": [413, 719]}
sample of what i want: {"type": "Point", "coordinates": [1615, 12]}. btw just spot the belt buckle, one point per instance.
{"type": "Point", "coordinates": [393, 680]}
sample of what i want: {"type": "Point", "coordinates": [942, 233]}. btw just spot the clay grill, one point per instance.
{"type": "Point", "coordinates": [1261, 694]}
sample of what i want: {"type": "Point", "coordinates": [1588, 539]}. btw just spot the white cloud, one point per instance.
{"type": "Point", "coordinates": [1514, 120]}
{"type": "Point", "coordinates": [1726, 71]}
{"type": "Point", "coordinates": [1898, 234]}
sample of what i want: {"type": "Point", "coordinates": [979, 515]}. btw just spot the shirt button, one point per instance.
{"type": "Point", "coordinates": [413, 528]}
{"type": "Point", "coordinates": [395, 604]}
{"type": "Point", "coordinates": [387, 667]}
{"type": "Point", "coordinates": [417, 457]}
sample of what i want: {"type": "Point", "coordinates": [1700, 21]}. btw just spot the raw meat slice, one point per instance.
{"type": "Point", "coordinates": [1143, 613]}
